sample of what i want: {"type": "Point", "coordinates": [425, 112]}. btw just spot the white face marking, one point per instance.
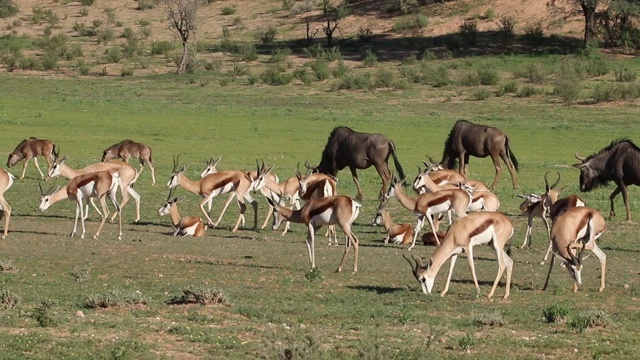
{"type": "Point", "coordinates": [419, 183]}
{"type": "Point", "coordinates": [173, 181]}
{"type": "Point", "coordinates": [165, 209]}
{"type": "Point", "coordinates": [44, 202]}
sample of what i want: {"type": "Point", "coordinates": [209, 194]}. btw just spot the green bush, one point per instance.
{"type": "Point", "coordinates": [161, 47]}
{"type": "Point", "coordinates": [266, 35]}
{"type": "Point", "coordinates": [469, 79]}
{"type": "Point", "coordinates": [113, 54]}
{"type": "Point", "coordinates": [589, 318]}
{"type": "Point", "coordinates": [247, 52]}
{"type": "Point", "coordinates": [341, 69]}
{"type": "Point", "coordinates": [8, 299]}
{"type": "Point", "coordinates": [115, 297]}
{"type": "Point", "coordinates": [105, 35]}
{"type": "Point", "coordinates": [279, 55]}
{"type": "Point", "coordinates": [384, 79]}
{"type": "Point", "coordinates": [604, 93]}
{"type": "Point", "coordinates": [624, 74]}
{"type": "Point", "coordinates": [556, 313]}
{"type": "Point", "coordinates": [147, 4]}
{"type": "Point", "coordinates": [535, 73]}
{"type": "Point", "coordinates": [353, 82]}
{"type": "Point", "coordinates": [568, 89]}
{"type": "Point", "coordinates": [490, 14]}
{"type": "Point", "coordinates": [303, 75]}
{"type": "Point", "coordinates": [488, 77]}
{"type": "Point", "coordinates": [534, 33]}
{"type": "Point", "coordinates": [510, 87]}
{"type": "Point", "coordinates": [83, 68]}
{"type": "Point", "coordinates": [527, 91]}
{"type": "Point", "coordinates": [8, 8]}
{"type": "Point", "coordinates": [489, 319]}
{"type": "Point", "coordinates": [228, 10]}
{"type": "Point", "coordinates": [320, 69]}
{"type": "Point", "coordinates": [197, 294]}
{"type": "Point", "coordinates": [370, 59]}
{"type": "Point", "coordinates": [481, 94]}
{"type": "Point", "coordinates": [50, 60]}
{"type": "Point", "coordinates": [434, 74]}
{"type": "Point", "coordinates": [87, 2]}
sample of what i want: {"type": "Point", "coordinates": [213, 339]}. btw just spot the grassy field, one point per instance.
{"type": "Point", "coordinates": [272, 305]}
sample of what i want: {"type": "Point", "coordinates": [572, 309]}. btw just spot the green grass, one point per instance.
{"type": "Point", "coordinates": [273, 307]}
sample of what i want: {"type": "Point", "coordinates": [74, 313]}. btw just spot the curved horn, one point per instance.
{"type": "Point", "coordinates": [414, 267]}
{"type": "Point", "coordinates": [580, 157]}
{"type": "Point", "coordinates": [557, 181]}
{"type": "Point", "coordinates": [298, 169]}
{"type": "Point", "coordinates": [170, 194]}
{"type": "Point", "coordinates": [432, 160]}
{"type": "Point", "coordinates": [418, 260]}
{"type": "Point", "coordinates": [40, 187]}
{"type": "Point", "coordinates": [546, 182]}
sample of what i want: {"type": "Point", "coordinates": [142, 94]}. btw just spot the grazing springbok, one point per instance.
{"type": "Point", "coordinates": [619, 162]}
{"type": "Point", "coordinates": [574, 231]}
{"type": "Point", "coordinates": [6, 180]}
{"type": "Point", "coordinates": [211, 167]}
{"type": "Point", "coordinates": [478, 228]}
{"type": "Point", "coordinates": [31, 148]}
{"type": "Point", "coordinates": [97, 184]}
{"type": "Point", "coordinates": [126, 173]}
{"type": "Point", "coordinates": [185, 226]}
{"type": "Point", "coordinates": [241, 183]}
{"type": "Point", "coordinates": [540, 205]}
{"type": "Point", "coordinates": [398, 233]}
{"type": "Point", "coordinates": [127, 149]}
{"type": "Point", "coordinates": [358, 150]}
{"type": "Point", "coordinates": [468, 139]}
{"type": "Point", "coordinates": [331, 210]}
{"type": "Point", "coordinates": [429, 204]}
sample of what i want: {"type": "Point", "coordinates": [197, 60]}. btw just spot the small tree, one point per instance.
{"type": "Point", "coordinates": [587, 8]}
{"type": "Point", "coordinates": [183, 17]}
{"type": "Point", "coordinates": [331, 16]}
{"type": "Point", "coordinates": [8, 8]}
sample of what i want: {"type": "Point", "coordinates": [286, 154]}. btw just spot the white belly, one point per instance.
{"type": "Point", "coordinates": [325, 218]}
{"type": "Point", "coordinates": [484, 237]}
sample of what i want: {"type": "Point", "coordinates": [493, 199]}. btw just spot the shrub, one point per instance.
{"type": "Point", "coordinates": [313, 275]}
{"type": "Point", "coordinates": [568, 89]}
{"type": "Point", "coordinates": [28, 64]}
{"type": "Point", "coordinates": [488, 77]}
{"type": "Point", "coordinates": [161, 47]}
{"type": "Point", "coordinates": [50, 60]}
{"type": "Point", "coordinates": [105, 35]}
{"type": "Point", "coordinates": [115, 297]}
{"type": "Point", "coordinates": [527, 91]}
{"type": "Point", "coordinates": [8, 299]}
{"type": "Point", "coordinates": [127, 33]}
{"type": "Point", "coordinates": [535, 73]}
{"type": "Point", "coordinates": [279, 55]}
{"type": "Point", "coordinates": [481, 94]}
{"type": "Point", "coordinates": [490, 13]}
{"type": "Point", "coordinates": [131, 47]}
{"type": "Point", "coordinates": [275, 76]}
{"type": "Point", "coordinates": [126, 72]}
{"type": "Point", "coordinates": [466, 342]}
{"type": "Point", "coordinates": [349, 82]}
{"type": "Point", "coordinates": [597, 66]}
{"type": "Point", "coordinates": [604, 93]}
{"type": "Point", "coordinates": [384, 78]}
{"type": "Point", "coordinates": [624, 74]}
{"type": "Point", "coordinates": [469, 32]}
{"type": "Point", "coordinates": [7, 265]}
{"type": "Point", "coordinates": [147, 4]}
{"type": "Point", "coordinates": [365, 34]}
{"type": "Point", "coordinates": [370, 59]}
{"type": "Point", "coordinates": [87, 2]}
{"type": "Point", "coordinates": [303, 7]}
{"type": "Point", "coordinates": [201, 295]}
{"type": "Point", "coordinates": [469, 79]}
{"type": "Point", "coordinates": [8, 8]}
{"type": "Point", "coordinates": [435, 75]}
{"type": "Point", "coordinates": [83, 12]}
{"type": "Point", "coordinates": [266, 35]}
{"type": "Point", "coordinates": [303, 75]}
{"type": "Point", "coordinates": [510, 88]}
{"type": "Point", "coordinates": [228, 10]}
{"type": "Point", "coordinates": [247, 52]}
{"type": "Point", "coordinates": [145, 31]}
{"type": "Point", "coordinates": [83, 68]}
{"type": "Point", "coordinates": [341, 69]}
{"type": "Point", "coordinates": [321, 69]}
{"type": "Point", "coordinates": [410, 73]}
{"type": "Point", "coordinates": [534, 32]}
{"type": "Point", "coordinates": [489, 319]}
{"type": "Point", "coordinates": [506, 27]}
{"type": "Point", "coordinates": [113, 54]}
{"type": "Point", "coordinates": [556, 313]}
{"type": "Point", "coordinates": [44, 314]}
{"type": "Point", "coordinates": [589, 318]}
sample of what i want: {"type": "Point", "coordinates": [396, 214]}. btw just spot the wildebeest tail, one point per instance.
{"type": "Point", "coordinates": [396, 162]}
{"type": "Point", "coordinates": [511, 155]}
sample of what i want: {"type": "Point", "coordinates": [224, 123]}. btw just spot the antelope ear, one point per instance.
{"type": "Point", "coordinates": [521, 196]}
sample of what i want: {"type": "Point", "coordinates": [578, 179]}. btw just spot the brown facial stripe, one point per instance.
{"type": "Point", "coordinates": [480, 229]}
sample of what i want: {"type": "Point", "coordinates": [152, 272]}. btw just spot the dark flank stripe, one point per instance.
{"type": "Point", "coordinates": [324, 206]}
{"type": "Point", "coordinates": [480, 229]}
{"type": "Point", "coordinates": [439, 200]}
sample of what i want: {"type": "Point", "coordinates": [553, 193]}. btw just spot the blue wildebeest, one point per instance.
{"type": "Point", "coordinates": [30, 148]}
{"type": "Point", "coordinates": [619, 162]}
{"type": "Point", "coordinates": [468, 139]}
{"type": "Point", "coordinates": [127, 149]}
{"type": "Point", "coordinates": [358, 150]}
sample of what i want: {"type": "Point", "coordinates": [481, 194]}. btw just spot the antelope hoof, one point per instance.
{"type": "Point", "coordinates": [95, 236]}
{"type": "Point", "coordinates": [4, 237]}
{"type": "Point", "coordinates": [119, 237]}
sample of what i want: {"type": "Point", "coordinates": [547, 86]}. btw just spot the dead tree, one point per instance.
{"type": "Point", "coordinates": [183, 17]}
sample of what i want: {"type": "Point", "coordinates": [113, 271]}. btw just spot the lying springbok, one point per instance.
{"type": "Point", "coordinates": [211, 168]}
{"type": "Point", "coordinates": [127, 149]}
{"type": "Point", "coordinates": [185, 226]}
{"type": "Point", "coordinates": [31, 148]}
{"type": "Point", "coordinates": [331, 210]}
{"type": "Point", "coordinates": [241, 183]}
{"type": "Point", "coordinates": [478, 228]}
{"type": "Point", "coordinates": [429, 204]}
{"type": "Point", "coordinates": [547, 203]}
{"type": "Point", "coordinates": [6, 180]}
{"type": "Point", "coordinates": [399, 233]}
{"type": "Point", "coordinates": [97, 184]}
{"type": "Point", "coordinates": [126, 173]}
{"type": "Point", "coordinates": [577, 230]}
{"type": "Point", "coordinates": [439, 176]}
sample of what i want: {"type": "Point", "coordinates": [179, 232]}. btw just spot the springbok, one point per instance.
{"type": "Point", "coordinates": [429, 204]}
{"type": "Point", "coordinates": [6, 180]}
{"type": "Point", "coordinates": [211, 167]}
{"type": "Point", "coordinates": [577, 229]}
{"type": "Point", "coordinates": [358, 150]}
{"type": "Point", "coordinates": [126, 173]}
{"type": "Point", "coordinates": [399, 233]}
{"type": "Point", "coordinates": [481, 200]}
{"type": "Point", "coordinates": [317, 185]}
{"type": "Point", "coordinates": [185, 226]}
{"type": "Point", "coordinates": [468, 139]}
{"type": "Point", "coordinates": [127, 149]}
{"type": "Point", "coordinates": [331, 210]}
{"type": "Point", "coordinates": [540, 205]}
{"type": "Point", "coordinates": [97, 184]}
{"type": "Point", "coordinates": [241, 183]}
{"type": "Point", "coordinates": [440, 179]}
{"type": "Point", "coordinates": [31, 148]}
{"type": "Point", "coordinates": [485, 227]}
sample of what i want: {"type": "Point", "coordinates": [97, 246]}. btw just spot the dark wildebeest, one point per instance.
{"type": "Point", "coordinates": [127, 149]}
{"type": "Point", "coordinates": [619, 162]}
{"type": "Point", "coordinates": [468, 139]}
{"type": "Point", "coordinates": [30, 148]}
{"type": "Point", "coordinates": [357, 150]}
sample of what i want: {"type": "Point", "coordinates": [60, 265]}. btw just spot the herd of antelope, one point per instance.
{"type": "Point", "coordinates": [471, 207]}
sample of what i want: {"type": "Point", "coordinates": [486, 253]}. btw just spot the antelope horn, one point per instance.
{"type": "Point", "coordinates": [175, 162]}
{"type": "Point", "coordinates": [580, 157]}
{"type": "Point", "coordinates": [414, 267]}
{"type": "Point", "coordinates": [262, 168]}
{"type": "Point", "coordinates": [298, 170]}
{"type": "Point", "coordinates": [521, 196]}
{"type": "Point", "coordinates": [40, 187]}
{"type": "Point", "coordinates": [431, 160]}
{"type": "Point", "coordinates": [557, 181]}
{"type": "Point", "coordinates": [170, 194]}
{"type": "Point", "coordinates": [418, 260]}
{"type": "Point", "coordinates": [308, 166]}
{"type": "Point", "coordinates": [546, 182]}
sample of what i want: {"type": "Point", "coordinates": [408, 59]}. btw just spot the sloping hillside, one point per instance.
{"type": "Point", "coordinates": [107, 23]}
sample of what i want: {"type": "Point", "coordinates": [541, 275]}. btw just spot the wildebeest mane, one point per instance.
{"type": "Point", "coordinates": [24, 141]}
{"type": "Point", "coordinates": [448, 144]}
{"type": "Point", "coordinates": [612, 146]}
{"type": "Point", "coordinates": [600, 160]}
